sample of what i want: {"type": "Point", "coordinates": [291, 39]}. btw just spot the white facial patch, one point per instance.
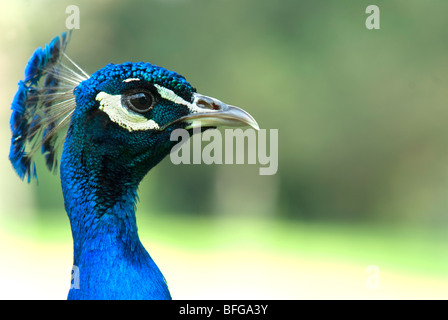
{"type": "Point", "coordinates": [171, 96]}
{"type": "Point", "coordinates": [131, 121]}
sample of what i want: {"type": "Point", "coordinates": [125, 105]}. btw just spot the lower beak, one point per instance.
{"type": "Point", "coordinates": [210, 112]}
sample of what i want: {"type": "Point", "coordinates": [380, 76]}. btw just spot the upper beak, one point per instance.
{"type": "Point", "coordinates": [210, 112]}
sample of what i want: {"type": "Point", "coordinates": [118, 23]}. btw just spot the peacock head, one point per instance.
{"type": "Point", "coordinates": [130, 110]}
{"type": "Point", "coordinates": [120, 118]}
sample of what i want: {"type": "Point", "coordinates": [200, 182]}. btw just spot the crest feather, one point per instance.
{"type": "Point", "coordinates": [42, 107]}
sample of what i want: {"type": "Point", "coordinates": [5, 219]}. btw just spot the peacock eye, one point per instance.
{"type": "Point", "coordinates": [138, 100]}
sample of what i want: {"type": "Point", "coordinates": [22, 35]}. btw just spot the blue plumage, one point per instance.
{"type": "Point", "coordinates": [34, 118]}
{"type": "Point", "coordinates": [114, 126]}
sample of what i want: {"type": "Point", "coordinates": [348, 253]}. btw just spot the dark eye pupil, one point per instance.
{"type": "Point", "coordinates": [140, 101]}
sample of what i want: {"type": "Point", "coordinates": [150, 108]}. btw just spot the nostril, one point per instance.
{"type": "Point", "coordinates": [215, 106]}
{"type": "Point", "coordinates": [212, 105]}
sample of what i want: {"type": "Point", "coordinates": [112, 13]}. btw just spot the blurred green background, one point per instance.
{"type": "Point", "coordinates": [363, 148]}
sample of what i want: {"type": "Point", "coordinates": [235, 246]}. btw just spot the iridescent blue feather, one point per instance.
{"type": "Point", "coordinates": [42, 107]}
{"type": "Point", "coordinates": [119, 122]}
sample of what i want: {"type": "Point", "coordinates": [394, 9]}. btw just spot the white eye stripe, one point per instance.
{"type": "Point", "coordinates": [131, 79]}
{"type": "Point", "coordinates": [131, 121]}
{"type": "Point", "coordinates": [171, 96]}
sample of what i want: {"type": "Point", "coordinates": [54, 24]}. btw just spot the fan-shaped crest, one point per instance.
{"type": "Point", "coordinates": [42, 107]}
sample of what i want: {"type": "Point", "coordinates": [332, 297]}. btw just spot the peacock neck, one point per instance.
{"type": "Point", "coordinates": [96, 227]}
{"type": "Point", "coordinates": [112, 262]}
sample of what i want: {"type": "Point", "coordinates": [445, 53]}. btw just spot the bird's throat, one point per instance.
{"type": "Point", "coordinates": [100, 204]}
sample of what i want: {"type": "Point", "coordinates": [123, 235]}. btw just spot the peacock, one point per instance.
{"type": "Point", "coordinates": [104, 132]}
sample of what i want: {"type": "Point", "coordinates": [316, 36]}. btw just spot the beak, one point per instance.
{"type": "Point", "coordinates": [210, 112]}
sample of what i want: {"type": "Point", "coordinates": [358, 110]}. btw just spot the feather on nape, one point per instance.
{"type": "Point", "coordinates": [42, 107]}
